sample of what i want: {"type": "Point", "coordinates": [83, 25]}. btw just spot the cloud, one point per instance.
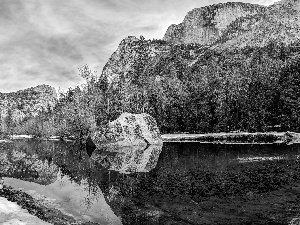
{"type": "Point", "coordinates": [45, 42]}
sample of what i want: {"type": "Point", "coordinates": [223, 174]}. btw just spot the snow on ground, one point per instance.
{"type": "Point", "coordinates": [12, 214]}
{"type": "Point", "coordinates": [21, 136]}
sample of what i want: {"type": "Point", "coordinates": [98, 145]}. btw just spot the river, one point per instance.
{"type": "Point", "coordinates": [177, 183]}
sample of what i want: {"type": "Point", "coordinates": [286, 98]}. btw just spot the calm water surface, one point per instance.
{"type": "Point", "coordinates": [80, 182]}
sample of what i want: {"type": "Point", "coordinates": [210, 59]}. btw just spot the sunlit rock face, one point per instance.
{"type": "Point", "coordinates": [205, 25]}
{"type": "Point", "coordinates": [237, 25]}
{"type": "Point", "coordinates": [129, 130]}
{"type": "Point", "coordinates": [141, 68]}
{"type": "Point", "coordinates": [279, 24]}
{"type": "Point", "coordinates": [27, 102]}
{"type": "Point", "coordinates": [129, 159]}
{"type": "Point", "coordinates": [293, 4]}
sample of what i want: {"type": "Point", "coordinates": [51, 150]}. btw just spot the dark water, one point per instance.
{"type": "Point", "coordinates": [105, 186]}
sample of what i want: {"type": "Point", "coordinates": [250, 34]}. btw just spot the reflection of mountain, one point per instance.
{"type": "Point", "coordinates": [35, 160]}
{"type": "Point", "coordinates": [38, 161]}
{"type": "Point", "coordinates": [18, 164]}
{"type": "Point", "coordinates": [129, 159]}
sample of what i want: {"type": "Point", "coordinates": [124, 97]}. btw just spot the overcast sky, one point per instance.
{"type": "Point", "coordinates": [46, 41]}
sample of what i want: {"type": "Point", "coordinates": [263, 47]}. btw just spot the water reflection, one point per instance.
{"type": "Point", "coordinates": [81, 201]}
{"type": "Point", "coordinates": [65, 173]}
{"type": "Point", "coordinates": [139, 185]}
{"type": "Point", "coordinates": [61, 171]}
{"type": "Point", "coordinates": [184, 176]}
{"type": "Point", "coordinates": [129, 159]}
{"type": "Point", "coordinates": [16, 161]}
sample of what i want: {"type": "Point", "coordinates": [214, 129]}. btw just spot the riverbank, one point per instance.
{"type": "Point", "coordinates": [16, 205]}
{"type": "Point", "coordinates": [24, 136]}
{"type": "Point", "coordinates": [12, 213]}
{"type": "Point", "coordinates": [236, 137]}
{"type": "Point", "coordinates": [216, 138]}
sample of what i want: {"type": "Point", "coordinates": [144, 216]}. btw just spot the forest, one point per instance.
{"type": "Point", "coordinates": [224, 90]}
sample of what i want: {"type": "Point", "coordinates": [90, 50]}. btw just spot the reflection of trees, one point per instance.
{"type": "Point", "coordinates": [93, 191]}
{"type": "Point", "coordinates": [26, 166]}
{"type": "Point", "coordinates": [40, 161]}
{"type": "Point", "coordinates": [46, 161]}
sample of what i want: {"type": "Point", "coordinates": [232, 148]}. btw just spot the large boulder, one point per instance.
{"type": "Point", "coordinates": [129, 130]}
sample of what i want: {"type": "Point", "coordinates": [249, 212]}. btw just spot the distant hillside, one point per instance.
{"type": "Point", "coordinates": [28, 102]}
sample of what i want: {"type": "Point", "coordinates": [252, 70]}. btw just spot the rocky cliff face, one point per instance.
{"type": "Point", "coordinates": [28, 102]}
{"type": "Point", "coordinates": [294, 4]}
{"type": "Point", "coordinates": [279, 23]}
{"type": "Point", "coordinates": [130, 57]}
{"type": "Point", "coordinates": [238, 25]}
{"type": "Point", "coordinates": [206, 25]}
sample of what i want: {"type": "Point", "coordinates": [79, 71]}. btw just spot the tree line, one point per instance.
{"type": "Point", "coordinates": [249, 89]}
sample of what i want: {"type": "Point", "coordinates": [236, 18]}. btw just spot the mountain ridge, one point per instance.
{"type": "Point", "coordinates": [206, 24]}
{"type": "Point", "coordinates": [27, 102]}
{"type": "Point", "coordinates": [222, 21]}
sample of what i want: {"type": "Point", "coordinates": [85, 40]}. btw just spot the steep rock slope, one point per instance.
{"type": "Point", "coordinates": [232, 25]}
{"type": "Point", "coordinates": [137, 64]}
{"type": "Point", "coordinates": [279, 23]}
{"type": "Point", "coordinates": [205, 25]}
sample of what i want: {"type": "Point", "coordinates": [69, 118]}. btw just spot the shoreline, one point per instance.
{"type": "Point", "coordinates": [236, 138]}
{"type": "Point", "coordinates": [36, 208]}
{"type": "Point", "coordinates": [25, 136]}
{"type": "Point", "coordinates": [215, 138]}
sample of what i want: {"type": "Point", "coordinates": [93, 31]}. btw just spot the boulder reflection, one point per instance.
{"type": "Point", "coordinates": [128, 160]}
{"type": "Point", "coordinates": [67, 173]}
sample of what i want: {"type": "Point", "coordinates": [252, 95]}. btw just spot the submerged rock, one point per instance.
{"type": "Point", "coordinates": [129, 130]}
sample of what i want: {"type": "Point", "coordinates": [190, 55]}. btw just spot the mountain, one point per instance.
{"type": "Point", "coordinates": [207, 24]}
{"type": "Point", "coordinates": [238, 25]}
{"type": "Point", "coordinates": [279, 23]}
{"type": "Point", "coordinates": [27, 102]}
{"type": "Point", "coordinates": [231, 66]}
